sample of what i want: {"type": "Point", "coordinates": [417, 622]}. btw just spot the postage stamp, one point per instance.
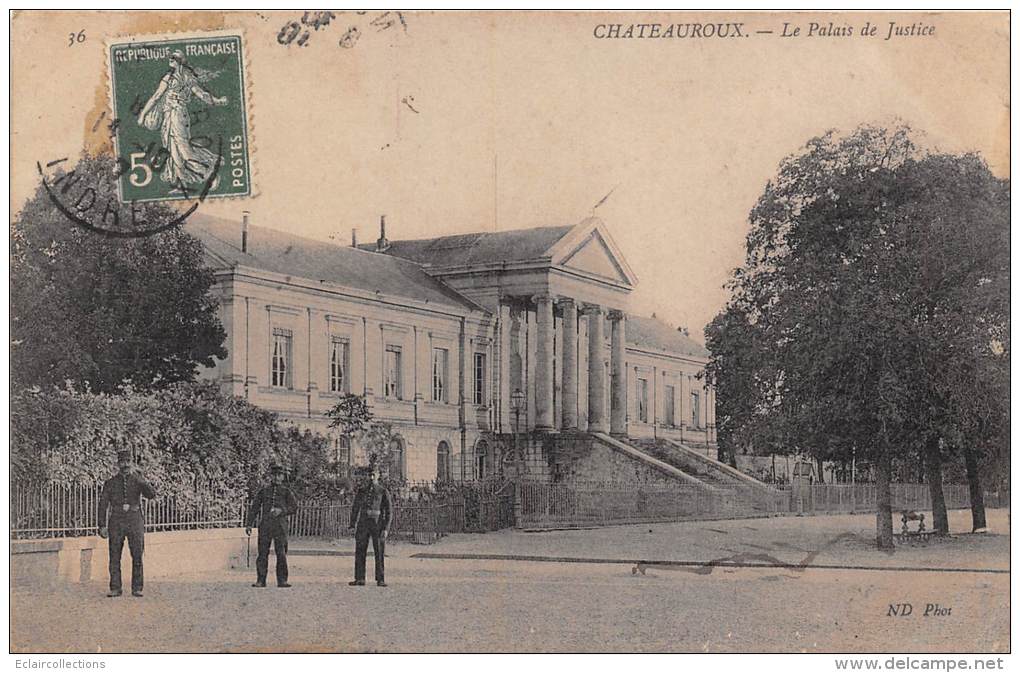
{"type": "Point", "coordinates": [182, 122]}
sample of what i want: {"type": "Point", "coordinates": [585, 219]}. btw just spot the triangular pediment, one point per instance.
{"type": "Point", "coordinates": [593, 256]}
{"type": "Point", "coordinates": [590, 250]}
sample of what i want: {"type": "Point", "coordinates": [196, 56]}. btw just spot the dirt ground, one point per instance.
{"type": "Point", "coordinates": [476, 605]}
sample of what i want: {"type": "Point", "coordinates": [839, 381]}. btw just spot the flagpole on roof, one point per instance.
{"type": "Point", "coordinates": [603, 199]}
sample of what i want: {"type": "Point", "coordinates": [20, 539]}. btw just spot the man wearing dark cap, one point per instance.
{"type": "Point", "coordinates": [272, 505]}
{"type": "Point", "coordinates": [120, 516]}
{"type": "Point", "coordinates": [370, 518]}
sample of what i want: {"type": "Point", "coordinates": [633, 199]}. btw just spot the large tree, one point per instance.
{"type": "Point", "coordinates": [745, 380]}
{"type": "Point", "coordinates": [97, 310]}
{"type": "Point", "coordinates": [872, 268]}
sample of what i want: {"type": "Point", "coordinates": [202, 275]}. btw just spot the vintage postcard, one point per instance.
{"type": "Point", "coordinates": [407, 331]}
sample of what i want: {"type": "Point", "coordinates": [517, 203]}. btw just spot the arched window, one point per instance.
{"type": "Point", "coordinates": [343, 455]}
{"type": "Point", "coordinates": [482, 465]}
{"type": "Point", "coordinates": [397, 458]}
{"type": "Point", "coordinates": [443, 461]}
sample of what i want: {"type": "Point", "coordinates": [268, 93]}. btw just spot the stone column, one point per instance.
{"type": "Point", "coordinates": [544, 364]}
{"type": "Point", "coordinates": [501, 369]}
{"type": "Point", "coordinates": [462, 374]}
{"type": "Point", "coordinates": [596, 372]}
{"type": "Point", "coordinates": [568, 392]}
{"type": "Point", "coordinates": [618, 398]}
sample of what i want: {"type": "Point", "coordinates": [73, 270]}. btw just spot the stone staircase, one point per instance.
{"type": "Point", "coordinates": [667, 468]}
{"type": "Point", "coordinates": [711, 472]}
{"type": "Point", "coordinates": [684, 461]}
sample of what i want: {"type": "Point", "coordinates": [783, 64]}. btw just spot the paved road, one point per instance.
{"type": "Point", "coordinates": [483, 605]}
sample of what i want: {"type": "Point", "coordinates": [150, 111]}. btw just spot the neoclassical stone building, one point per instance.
{"type": "Point", "coordinates": [438, 334]}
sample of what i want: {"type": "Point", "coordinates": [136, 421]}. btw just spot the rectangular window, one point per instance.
{"type": "Point", "coordinates": [669, 401]}
{"type": "Point", "coordinates": [281, 358]}
{"type": "Point", "coordinates": [479, 379]}
{"type": "Point", "coordinates": [440, 360]}
{"type": "Point", "coordinates": [695, 410]}
{"type": "Point", "coordinates": [339, 361]}
{"type": "Point", "coordinates": [642, 400]}
{"type": "Point", "coordinates": [393, 372]}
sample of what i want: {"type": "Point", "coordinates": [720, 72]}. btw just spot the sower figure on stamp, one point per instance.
{"type": "Point", "coordinates": [270, 509]}
{"type": "Point", "coordinates": [120, 516]}
{"type": "Point", "coordinates": [167, 110]}
{"type": "Point", "coordinates": [370, 518]}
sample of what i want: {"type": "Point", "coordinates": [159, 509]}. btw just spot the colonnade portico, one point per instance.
{"type": "Point", "coordinates": [562, 376]}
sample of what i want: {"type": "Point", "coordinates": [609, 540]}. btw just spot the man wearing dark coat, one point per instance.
{"type": "Point", "coordinates": [370, 518]}
{"type": "Point", "coordinates": [272, 505]}
{"type": "Point", "coordinates": [120, 516]}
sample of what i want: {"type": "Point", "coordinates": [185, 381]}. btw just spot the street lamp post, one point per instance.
{"type": "Point", "coordinates": [517, 402]}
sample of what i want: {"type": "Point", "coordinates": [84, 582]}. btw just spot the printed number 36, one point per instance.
{"type": "Point", "coordinates": [146, 176]}
{"type": "Point", "coordinates": [78, 37]}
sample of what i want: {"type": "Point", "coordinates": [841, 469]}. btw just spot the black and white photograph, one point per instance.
{"type": "Point", "coordinates": [510, 332]}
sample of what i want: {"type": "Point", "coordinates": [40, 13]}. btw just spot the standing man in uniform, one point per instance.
{"type": "Point", "coordinates": [271, 507]}
{"type": "Point", "coordinates": [120, 516]}
{"type": "Point", "coordinates": [370, 518]}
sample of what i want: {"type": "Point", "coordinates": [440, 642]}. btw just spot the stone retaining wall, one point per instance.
{"type": "Point", "coordinates": [42, 563]}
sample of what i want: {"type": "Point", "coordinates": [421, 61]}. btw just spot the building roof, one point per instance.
{"type": "Point", "coordinates": [284, 253]}
{"type": "Point", "coordinates": [655, 334]}
{"type": "Point", "coordinates": [398, 273]}
{"type": "Point", "coordinates": [479, 248]}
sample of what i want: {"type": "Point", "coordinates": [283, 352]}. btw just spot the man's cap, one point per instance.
{"type": "Point", "coordinates": [124, 454]}
{"type": "Point", "coordinates": [277, 467]}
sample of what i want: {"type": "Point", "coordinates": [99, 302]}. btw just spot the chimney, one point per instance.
{"type": "Point", "coordinates": [244, 231]}
{"type": "Point", "coordinates": [354, 237]}
{"type": "Point", "coordinates": [381, 244]}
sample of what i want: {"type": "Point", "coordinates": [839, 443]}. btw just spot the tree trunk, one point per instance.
{"type": "Point", "coordinates": [883, 516]}
{"type": "Point", "coordinates": [821, 471]}
{"type": "Point", "coordinates": [933, 474]}
{"type": "Point", "coordinates": [977, 496]}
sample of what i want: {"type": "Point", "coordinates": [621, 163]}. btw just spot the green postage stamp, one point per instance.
{"type": "Point", "coordinates": [179, 106]}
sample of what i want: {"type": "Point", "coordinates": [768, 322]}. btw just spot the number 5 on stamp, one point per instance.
{"type": "Point", "coordinates": [183, 125]}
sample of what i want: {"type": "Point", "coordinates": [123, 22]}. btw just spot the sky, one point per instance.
{"type": "Point", "coordinates": [462, 122]}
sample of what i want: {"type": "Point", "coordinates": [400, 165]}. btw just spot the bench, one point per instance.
{"type": "Point", "coordinates": [905, 535]}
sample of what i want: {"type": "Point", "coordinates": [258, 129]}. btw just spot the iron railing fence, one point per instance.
{"type": "Point", "coordinates": [597, 503]}
{"type": "Point", "coordinates": [430, 489]}
{"type": "Point", "coordinates": [847, 498]}
{"type": "Point", "coordinates": [413, 520]}
{"type": "Point", "coordinates": [52, 509]}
